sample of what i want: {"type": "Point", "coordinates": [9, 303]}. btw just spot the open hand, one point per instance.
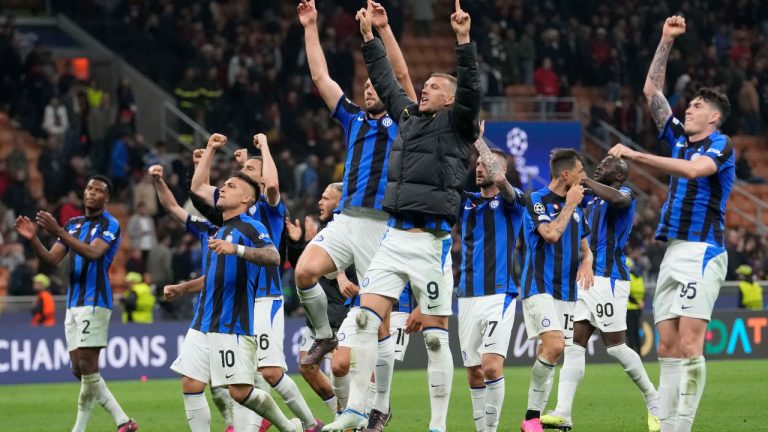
{"type": "Point", "coordinates": [363, 16]}
{"type": "Point", "coordinates": [307, 12]}
{"type": "Point", "coordinates": [293, 229]}
{"type": "Point", "coordinates": [26, 227]}
{"type": "Point", "coordinates": [378, 14]}
{"type": "Point", "coordinates": [48, 223]}
{"type": "Point", "coordinates": [310, 228]}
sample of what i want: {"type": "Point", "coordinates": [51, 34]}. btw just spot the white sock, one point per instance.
{"type": "Point", "coordinates": [290, 393]}
{"type": "Point", "coordinates": [633, 366]}
{"type": "Point", "coordinates": [198, 413]}
{"type": "Point", "coordinates": [364, 353]}
{"type": "Point", "coordinates": [332, 403]}
{"type": "Point", "coordinates": [262, 403]}
{"type": "Point", "coordinates": [494, 400]}
{"type": "Point", "coordinates": [88, 390]}
{"type": "Point", "coordinates": [244, 419]}
{"type": "Point", "coordinates": [341, 389]}
{"type": "Point", "coordinates": [541, 383]}
{"type": "Point", "coordinates": [385, 366]}
{"type": "Point", "coordinates": [669, 392]}
{"type": "Point", "coordinates": [260, 383]}
{"type": "Point", "coordinates": [570, 376]}
{"type": "Point", "coordinates": [694, 377]}
{"type": "Point", "coordinates": [478, 407]}
{"type": "Point", "coordinates": [224, 403]}
{"type": "Point", "coordinates": [316, 305]}
{"type": "Point", "coordinates": [440, 370]}
{"type": "Point", "coordinates": [105, 398]}
{"type": "Point", "coordinates": [370, 397]}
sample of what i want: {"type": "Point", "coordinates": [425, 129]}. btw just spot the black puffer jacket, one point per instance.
{"type": "Point", "coordinates": [428, 160]}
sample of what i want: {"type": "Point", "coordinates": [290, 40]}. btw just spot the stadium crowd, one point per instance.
{"type": "Point", "coordinates": [239, 67]}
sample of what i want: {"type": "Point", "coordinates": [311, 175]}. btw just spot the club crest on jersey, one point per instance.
{"type": "Point", "coordinates": [228, 239]}
{"type": "Point", "coordinates": [93, 231]}
{"type": "Point", "coordinates": [387, 122]}
{"type": "Point", "coordinates": [576, 217]}
{"type": "Point", "coordinates": [494, 204]}
{"type": "Point", "coordinates": [361, 117]}
{"type": "Point", "coordinates": [695, 156]}
{"type": "Point", "coordinates": [539, 208]}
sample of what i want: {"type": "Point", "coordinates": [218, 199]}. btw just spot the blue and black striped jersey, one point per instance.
{"type": "Point", "coordinates": [407, 220]}
{"type": "Point", "coordinates": [610, 226]}
{"type": "Point", "coordinates": [551, 268]}
{"type": "Point", "coordinates": [273, 218]}
{"type": "Point", "coordinates": [226, 301]}
{"type": "Point", "coordinates": [489, 230]}
{"type": "Point", "coordinates": [89, 279]}
{"type": "Point", "coordinates": [368, 143]}
{"type": "Point", "coordinates": [695, 208]}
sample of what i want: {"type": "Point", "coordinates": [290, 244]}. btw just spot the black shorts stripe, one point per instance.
{"type": "Point", "coordinates": [377, 166]}
{"type": "Point", "coordinates": [354, 167]}
{"type": "Point", "coordinates": [489, 252]}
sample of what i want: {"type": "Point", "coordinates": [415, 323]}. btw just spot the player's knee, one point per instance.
{"type": "Point", "coordinates": [491, 371]}
{"type": "Point", "coordinates": [690, 348]}
{"type": "Point", "coordinates": [239, 394]}
{"type": "Point", "coordinates": [475, 376]}
{"type": "Point", "coordinates": [340, 369]}
{"type": "Point", "coordinates": [305, 276]}
{"type": "Point", "coordinates": [668, 349]}
{"type": "Point", "coordinates": [308, 371]}
{"type": "Point", "coordinates": [76, 373]}
{"type": "Point", "coordinates": [272, 375]}
{"type": "Point", "coordinates": [553, 350]}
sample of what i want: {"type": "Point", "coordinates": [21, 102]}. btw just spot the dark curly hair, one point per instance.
{"type": "Point", "coordinates": [717, 99]}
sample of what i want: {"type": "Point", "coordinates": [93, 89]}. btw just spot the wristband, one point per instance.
{"type": "Point", "coordinates": [240, 250]}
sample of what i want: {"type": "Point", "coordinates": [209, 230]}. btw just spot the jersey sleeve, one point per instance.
{"type": "Point", "coordinates": [537, 210]}
{"type": "Point", "coordinates": [345, 112]}
{"type": "Point", "coordinates": [720, 150]}
{"type": "Point", "coordinates": [585, 230]}
{"type": "Point", "coordinates": [199, 227]}
{"type": "Point", "coordinates": [111, 232]}
{"type": "Point", "coordinates": [520, 200]}
{"type": "Point", "coordinates": [673, 131]}
{"type": "Point", "coordinates": [261, 238]}
{"type": "Point", "coordinates": [628, 192]}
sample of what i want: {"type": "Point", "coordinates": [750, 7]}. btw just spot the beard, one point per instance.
{"type": "Point", "coordinates": [377, 108]}
{"type": "Point", "coordinates": [484, 183]}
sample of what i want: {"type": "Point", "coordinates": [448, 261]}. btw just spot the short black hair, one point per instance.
{"type": "Point", "coordinates": [105, 179]}
{"type": "Point", "coordinates": [716, 98]}
{"type": "Point", "coordinates": [253, 184]}
{"type": "Point", "coordinates": [562, 159]}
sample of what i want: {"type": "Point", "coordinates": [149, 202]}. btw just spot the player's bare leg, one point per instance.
{"type": "Point", "coordinates": [694, 371]}
{"type": "Point", "coordinates": [85, 366]}
{"type": "Point", "coordinates": [670, 362]}
{"type": "Point", "coordinates": [314, 263]}
{"type": "Point", "coordinates": [319, 383]}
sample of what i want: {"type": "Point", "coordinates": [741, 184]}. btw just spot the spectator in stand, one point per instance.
{"type": "Point", "coordinates": [71, 206]}
{"type": "Point", "coordinates": [126, 104]}
{"type": "Point", "coordinates": [144, 194]}
{"type": "Point", "coordinates": [119, 164]}
{"type": "Point", "coordinates": [100, 120]}
{"type": "Point", "coordinates": [141, 231]}
{"type": "Point", "coordinates": [160, 268]}
{"type": "Point", "coordinates": [547, 83]}
{"type": "Point", "coordinates": [44, 309]}
{"type": "Point", "coordinates": [422, 17]}
{"type": "Point", "coordinates": [55, 120]}
{"type": "Point", "coordinates": [527, 50]}
{"type": "Point", "coordinates": [20, 280]}
{"type": "Point", "coordinates": [744, 169]}
{"type": "Point", "coordinates": [17, 195]}
{"type": "Point", "coordinates": [750, 292]}
{"type": "Point", "coordinates": [749, 105]}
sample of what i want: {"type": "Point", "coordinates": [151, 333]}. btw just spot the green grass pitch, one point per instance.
{"type": "Point", "coordinates": [735, 399]}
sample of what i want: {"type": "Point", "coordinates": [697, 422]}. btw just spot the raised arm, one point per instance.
{"type": "Point", "coordinates": [268, 170]}
{"type": "Point", "coordinates": [654, 82]}
{"type": "Point", "coordinates": [613, 197]}
{"type": "Point", "coordinates": [690, 169]}
{"type": "Point", "coordinates": [91, 251]}
{"type": "Point", "coordinates": [495, 171]}
{"type": "Point", "coordinates": [28, 230]}
{"type": "Point", "coordinates": [165, 196]}
{"type": "Point", "coordinates": [329, 89]}
{"type": "Point", "coordinates": [201, 179]}
{"type": "Point", "coordinates": [466, 110]}
{"type": "Point", "coordinates": [552, 231]}
{"type": "Point", "coordinates": [381, 23]}
{"type": "Point", "coordinates": [380, 70]}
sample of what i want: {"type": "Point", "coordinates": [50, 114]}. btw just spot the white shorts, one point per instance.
{"type": "Point", "coordinates": [689, 282]}
{"type": "Point", "coordinates": [422, 258]}
{"type": "Point", "coordinates": [269, 332]}
{"type": "Point", "coordinates": [604, 305]}
{"type": "Point", "coordinates": [485, 326]}
{"type": "Point", "coordinates": [396, 330]}
{"type": "Point", "coordinates": [307, 339]}
{"type": "Point", "coordinates": [222, 359]}
{"type": "Point", "coordinates": [543, 313]}
{"type": "Point", "coordinates": [367, 228]}
{"type": "Point", "coordinates": [86, 327]}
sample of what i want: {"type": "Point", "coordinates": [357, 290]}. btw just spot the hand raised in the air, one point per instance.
{"type": "Point", "coordinates": [26, 227]}
{"type": "Point", "coordinates": [460, 23]}
{"type": "Point", "coordinates": [156, 171]}
{"type": "Point", "coordinates": [363, 16]}
{"type": "Point", "coordinates": [241, 157]}
{"type": "Point", "coordinates": [217, 140]}
{"type": "Point", "coordinates": [378, 14]}
{"type": "Point", "coordinates": [294, 229]}
{"type": "Point", "coordinates": [307, 12]}
{"type": "Point", "coordinates": [197, 154]}
{"type": "Point", "coordinates": [674, 26]}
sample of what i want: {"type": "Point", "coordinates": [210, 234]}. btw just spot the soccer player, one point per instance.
{"type": "Point", "coordinates": [92, 241]}
{"type": "Point", "coordinates": [604, 307]}
{"type": "Point", "coordinates": [269, 325]}
{"type": "Point", "coordinates": [220, 345]}
{"type": "Point", "coordinates": [490, 223]}
{"type": "Point", "coordinates": [337, 290]}
{"type": "Point", "coordinates": [702, 172]}
{"type": "Point", "coordinates": [368, 132]}
{"type": "Point", "coordinates": [427, 166]}
{"type": "Point", "coordinates": [555, 232]}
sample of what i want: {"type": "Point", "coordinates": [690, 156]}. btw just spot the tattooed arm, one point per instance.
{"type": "Point", "coordinates": [495, 171]}
{"type": "Point", "coordinates": [654, 82]}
